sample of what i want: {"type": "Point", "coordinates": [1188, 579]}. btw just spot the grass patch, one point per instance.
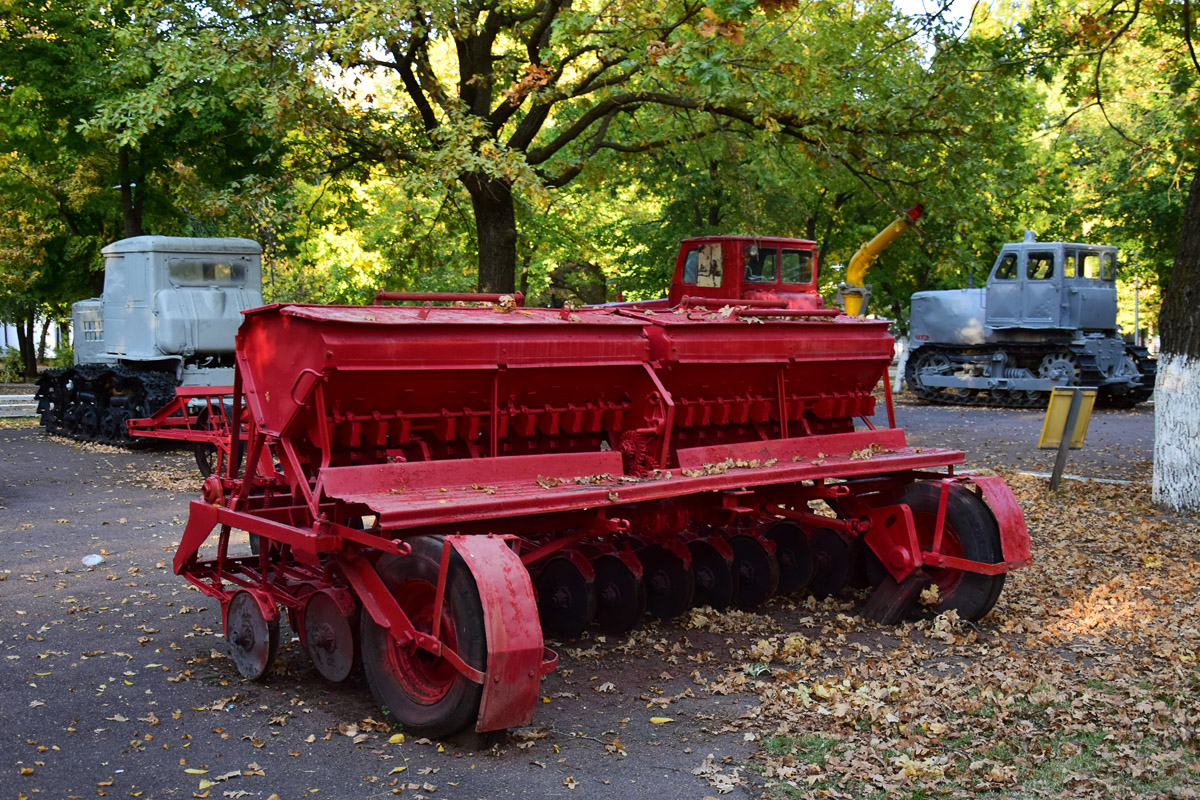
{"type": "Point", "coordinates": [810, 749]}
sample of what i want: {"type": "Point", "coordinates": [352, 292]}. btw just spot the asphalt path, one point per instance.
{"type": "Point", "coordinates": [116, 680]}
{"type": "Point", "coordinates": [1119, 444]}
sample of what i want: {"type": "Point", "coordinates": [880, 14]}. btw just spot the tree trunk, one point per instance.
{"type": "Point", "coordinates": [1177, 390]}
{"type": "Point", "coordinates": [41, 348]}
{"type": "Point", "coordinates": [131, 208]}
{"type": "Point", "coordinates": [496, 228]}
{"type": "Point", "coordinates": [25, 345]}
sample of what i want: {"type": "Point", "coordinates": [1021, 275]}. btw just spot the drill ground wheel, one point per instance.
{"type": "Point", "coordinates": [620, 595]}
{"type": "Point", "coordinates": [970, 532]}
{"type": "Point", "coordinates": [566, 599]}
{"type": "Point", "coordinates": [253, 640]}
{"type": "Point", "coordinates": [421, 691]}
{"type": "Point", "coordinates": [831, 562]}
{"type": "Point", "coordinates": [794, 554]}
{"type": "Point", "coordinates": [330, 637]}
{"type": "Point", "coordinates": [757, 571]}
{"type": "Point", "coordinates": [713, 576]}
{"type": "Point", "coordinates": [669, 583]}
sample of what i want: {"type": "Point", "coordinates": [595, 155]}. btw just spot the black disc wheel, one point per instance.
{"type": "Point", "coordinates": [421, 691]}
{"type": "Point", "coordinates": [620, 595]}
{"type": "Point", "coordinates": [713, 575]}
{"type": "Point", "coordinates": [970, 532]}
{"type": "Point", "coordinates": [757, 571]}
{"type": "Point", "coordinates": [831, 562]}
{"type": "Point", "coordinates": [566, 598]}
{"type": "Point", "coordinates": [669, 584]}
{"type": "Point", "coordinates": [253, 640]}
{"type": "Point", "coordinates": [794, 555]}
{"type": "Point", "coordinates": [207, 458]}
{"type": "Point", "coordinates": [330, 637]}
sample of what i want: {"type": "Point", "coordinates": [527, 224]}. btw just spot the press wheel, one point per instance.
{"type": "Point", "coordinates": [566, 598]}
{"type": "Point", "coordinates": [329, 637]}
{"type": "Point", "coordinates": [713, 575]}
{"type": "Point", "coordinates": [620, 595]}
{"type": "Point", "coordinates": [669, 583]}
{"type": "Point", "coordinates": [969, 531]}
{"type": "Point", "coordinates": [253, 640]}
{"type": "Point", "coordinates": [831, 562]}
{"type": "Point", "coordinates": [757, 571]}
{"type": "Point", "coordinates": [794, 554]}
{"type": "Point", "coordinates": [421, 691]}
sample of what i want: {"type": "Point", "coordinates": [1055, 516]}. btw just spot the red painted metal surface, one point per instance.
{"type": "Point", "coordinates": [180, 419]}
{"type": "Point", "coordinates": [523, 434]}
{"type": "Point", "coordinates": [514, 635]}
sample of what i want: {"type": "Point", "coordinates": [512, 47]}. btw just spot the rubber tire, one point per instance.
{"type": "Point", "coordinates": [972, 522]}
{"type": "Point", "coordinates": [458, 706]}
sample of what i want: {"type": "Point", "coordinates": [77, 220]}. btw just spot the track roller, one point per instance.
{"type": "Point", "coordinates": [566, 592]}
{"type": "Point", "coordinates": [794, 554]}
{"type": "Point", "coordinates": [666, 570]}
{"type": "Point", "coordinates": [831, 562]}
{"type": "Point", "coordinates": [620, 592]}
{"type": "Point", "coordinates": [253, 639]}
{"type": "Point", "coordinates": [713, 572]}
{"type": "Point", "coordinates": [756, 568]}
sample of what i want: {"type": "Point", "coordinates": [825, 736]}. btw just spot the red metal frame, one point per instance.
{"type": "Point", "coordinates": [176, 421]}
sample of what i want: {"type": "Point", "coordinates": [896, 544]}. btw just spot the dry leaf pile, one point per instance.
{"type": "Point", "coordinates": [1082, 682]}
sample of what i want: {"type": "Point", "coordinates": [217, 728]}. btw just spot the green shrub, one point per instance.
{"type": "Point", "coordinates": [11, 365]}
{"type": "Point", "coordinates": [63, 357]}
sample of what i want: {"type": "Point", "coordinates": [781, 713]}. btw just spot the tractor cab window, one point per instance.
{"type": "Point", "coordinates": [1089, 266]}
{"type": "Point", "coordinates": [1006, 270]}
{"type": "Point", "coordinates": [197, 272]}
{"type": "Point", "coordinates": [1040, 266]}
{"type": "Point", "coordinates": [1109, 262]}
{"type": "Point", "coordinates": [760, 264]}
{"type": "Point", "coordinates": [703, 266]}
{"type": "Point", "coordinates": [795, 266]}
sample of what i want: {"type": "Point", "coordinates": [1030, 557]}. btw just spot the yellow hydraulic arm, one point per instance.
{"type": "Point", "coordinates": [854, 293]}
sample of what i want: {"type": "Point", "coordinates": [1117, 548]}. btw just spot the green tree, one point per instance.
{"type": "Point", "coordinates": [514, 100]}
{"type": "Point", "coordinates": [1131, 78]}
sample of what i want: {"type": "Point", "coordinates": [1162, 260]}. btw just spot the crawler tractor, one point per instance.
{"type": "Point", "coordinates": [432, 489]}
{"type": "Point", "coordinates": [1048, 317]}
{"type": "Point", "coordinates": [166, 319]}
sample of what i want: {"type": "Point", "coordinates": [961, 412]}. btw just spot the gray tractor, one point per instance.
{"type": "Point", "coordinates": [168, 316]}
{"type": "Point", "coordinates": [1047, 318]}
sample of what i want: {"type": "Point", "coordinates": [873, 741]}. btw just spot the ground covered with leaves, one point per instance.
{"type": "Point", "coordinates": [1082, 682]}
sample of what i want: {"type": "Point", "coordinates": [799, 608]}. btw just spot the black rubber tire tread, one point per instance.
{"type": "Point", "coordinates": [459, 707]}
{"type": "Point", "coordinates": [979, 536]}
